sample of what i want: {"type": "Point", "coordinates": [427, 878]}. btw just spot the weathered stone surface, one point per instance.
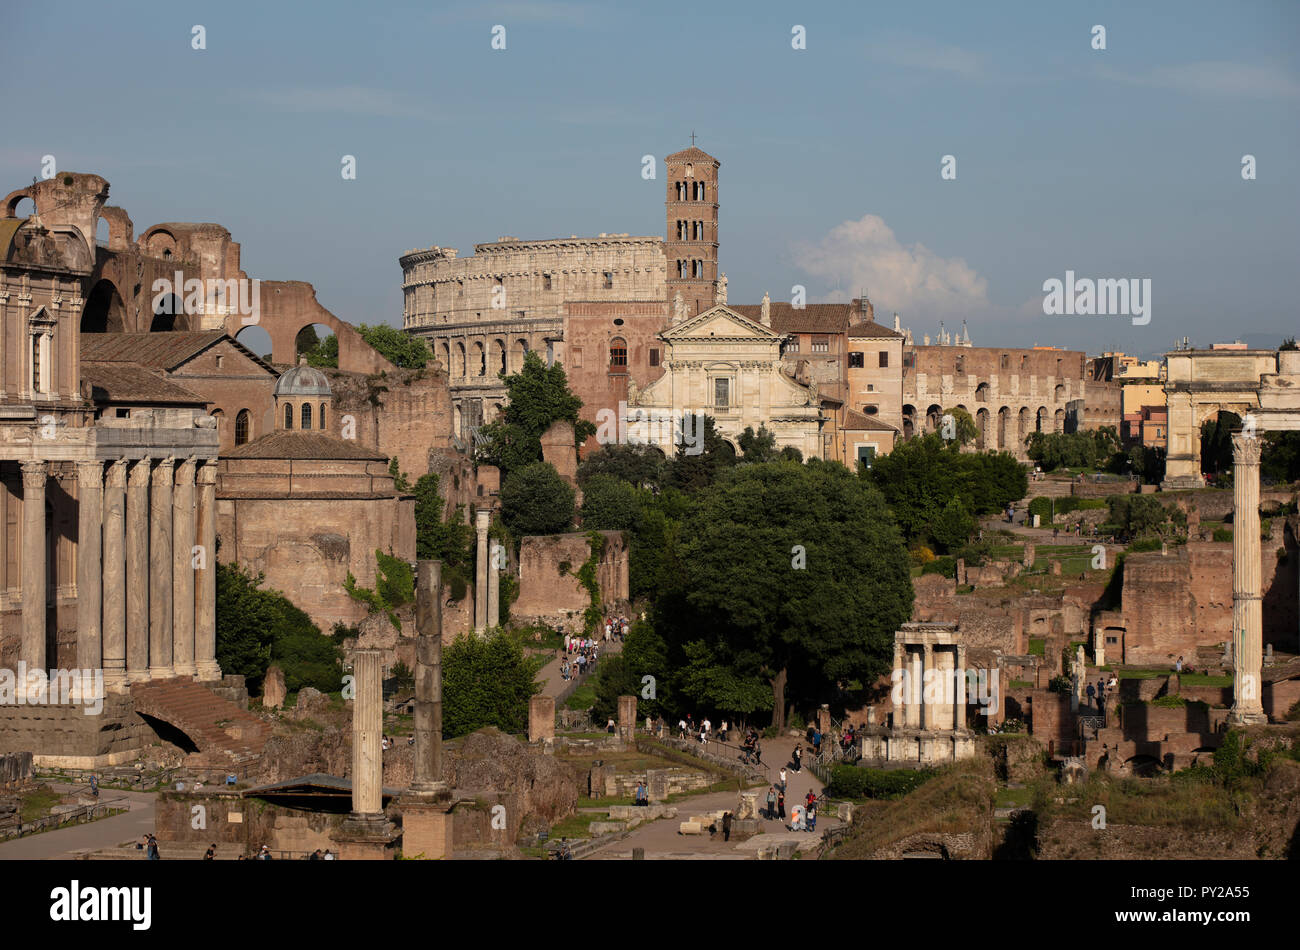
{"type": "Point", "coordinates": [273, 691]}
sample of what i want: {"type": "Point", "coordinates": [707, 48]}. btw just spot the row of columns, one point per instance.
{"type": "Point", "coordinates": [946, 668]}
{"type": "Point", "coordinates": [146, 569]}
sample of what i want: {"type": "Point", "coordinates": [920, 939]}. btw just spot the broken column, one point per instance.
{"type": "Point", "coordinates": [426, 806]}
{"type": "Point", "coordinates": [1247, 616]}
{"type": "Point", "coordinates": [483, 519]}
{"type": "Point", "coordinates": [541, 719]}
{"type": "Point", "coordinates": [364, 834]}
{"type": "Point", "coordinates": [627, 718]}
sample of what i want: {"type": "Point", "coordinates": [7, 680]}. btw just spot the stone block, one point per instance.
{"type": "Point", "coordinates": [690, 828]}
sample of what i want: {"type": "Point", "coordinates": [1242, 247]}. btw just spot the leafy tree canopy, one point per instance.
{"type": "Point", "coordinates": [486, 681]}
{"type": "Point", "coordinates": [539, 396]}
{"type": "Point", "coordinates": [536, 500]}
{"type": "Point", "coordinates": [397, 346]}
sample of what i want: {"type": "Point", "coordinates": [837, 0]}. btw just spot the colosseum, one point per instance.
{"type": "Point", "coordinates": [481, 314]}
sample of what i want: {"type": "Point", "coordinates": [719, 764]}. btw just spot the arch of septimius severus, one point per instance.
{"type": "Point", "coordinates": [1263, 387]}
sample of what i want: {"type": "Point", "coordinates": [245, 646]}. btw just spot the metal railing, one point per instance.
{"type": "Point", "coordinates": [77, 816]}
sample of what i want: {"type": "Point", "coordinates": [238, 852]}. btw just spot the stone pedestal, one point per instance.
{"type": "Point", "coordinates": [364, 838]}
{"type": "Point", "coordinates": [427, 830]}
{"type": "Point", "coordinates": [541, 718]}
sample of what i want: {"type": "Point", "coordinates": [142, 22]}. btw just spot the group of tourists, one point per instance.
{"type": "Point", "coordinates": [580, 657]}
{"type": "Point", "coordinates": [387, 743]}
{"type": "Point", "coordinates": [702, 731]}
{"type": "Point", "coordinates": [616, 628]}
{"type": "Point", "coordinates": [803, 817]}
{"type": "Point", "coordinates": [1097, 694]}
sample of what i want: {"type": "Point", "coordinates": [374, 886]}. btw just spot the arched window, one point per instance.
{"type": "Point", "coordinates": [618, 352]}
{"type": "Point", "coordinates": [241, 427]}
{"type": "Point", "coordinates": [288, 415]}
{"type": "Point", "coordinates": [306, 416]}
{"type": "Point", "coordinates": [322, 415]}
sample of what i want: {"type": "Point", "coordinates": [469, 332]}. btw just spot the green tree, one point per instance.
{"type": "Point", "coordinates": [538, 397]}
{"type": "Point", "coordinates": [700, 456]}
{"type": "Point", "coordinates": [321, 352]}
{"type": "Point", "coordinates": [797, 573]}
{"type": "Point", "coordinates": [965, 430]}
{"type": "Point", "coordinates": [637, 465]}
{"type": "Point", "coordinates": [486, 681]}
{"type": "Point", "coordinates": [758, 446]}
{"type": "Point", "coordinates": [610, 505]}
{"type": "Point", "coordinates": [397, 346]}
{"type": "Point", "coordinates": [953, 526]}
{"type": "Point", "coordinates": [536, 500]}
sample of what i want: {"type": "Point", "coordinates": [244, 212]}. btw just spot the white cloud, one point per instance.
{"type": "Point", "coordinates": [1215, 79]}
{"type": "Point", "coordinates": [910, 279]}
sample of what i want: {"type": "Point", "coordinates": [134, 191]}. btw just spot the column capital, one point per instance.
{"type": "Point", "coordinates": [484, 519]}
{"type": "Point", "coordinates": [139, 474]}
{"type": "Point", "coordinates": [1245, 449]}
{"type": "Point", "coordinates": [90, 474]}
{"type": "Point", "coordinates": [185, 468]}
{"type": "Point", "coordinates": [162, 473]}
{"type": "Point", "coordinates": [35, 473]}
{"type": "Point", "coordinates": [206, 473]}
{"type": "Point", "coordinates": [117, 473]}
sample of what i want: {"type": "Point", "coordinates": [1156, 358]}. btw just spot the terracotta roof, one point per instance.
{"type": "Point", "coordinates": [692, 154]}
{"type": "Point", "coordinates": [869, 328]}
{"type": "Point", "coordinates": [860, 420]}
{"type": "Point", "coordinates": [288, 444]}
{"type": "Point", "coordinates": [131, 382]}
{"type": "Point", "coordinates": [811, 318]}
{"type": "Point", "coordinates": [161, 350]}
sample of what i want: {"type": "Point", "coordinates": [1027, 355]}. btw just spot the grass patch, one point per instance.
{"type": "Point", "coordinates": [584, 697]}
{"type": "Point", "coordinates": [37, 804]}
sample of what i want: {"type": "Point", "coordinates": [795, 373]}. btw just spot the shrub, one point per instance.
{"type": "Point", "coordinates": [947, 566]}
{"type": "Point", "coordinates": [848, 781]}
{"type": "Point", "coordinates": [536, 500]}
{"type": "Point", "coordinates": [1060, 684]}
{"type": "Point", "coordinates": [1041, 507]}
{"type": "Point", "coordinates": [1222, 534]}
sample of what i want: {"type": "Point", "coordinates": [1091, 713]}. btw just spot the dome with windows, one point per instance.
{"type": "Point", "coordinates": [303, 380]}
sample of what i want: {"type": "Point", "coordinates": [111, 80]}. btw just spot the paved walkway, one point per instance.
{"type": "Point", "coordinates": [553, 684]}
{"type": "Point", "coordinates": [105, 833]}
{"type": "Point", "coordinates": [661, 839]}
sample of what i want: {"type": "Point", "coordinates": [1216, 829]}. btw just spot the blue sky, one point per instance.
{"type": "Point", "coordinates": [1115, 163]}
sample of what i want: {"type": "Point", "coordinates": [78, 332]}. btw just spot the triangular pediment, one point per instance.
{"type": "Point", "coordinates": [719, 322]}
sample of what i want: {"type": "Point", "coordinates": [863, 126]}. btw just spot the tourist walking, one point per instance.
{"type": "Point", "coordinates": [780, 805]}
{"type": "Point", "coordinates": [726, 826]}
{"type": "Point", "coordinates": [771, 803]}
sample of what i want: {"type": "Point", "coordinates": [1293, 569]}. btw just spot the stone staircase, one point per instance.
{"type": "Point", "coordinates": [215, 725]}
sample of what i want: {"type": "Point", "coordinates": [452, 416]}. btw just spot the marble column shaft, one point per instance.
{"type": "Point", "coordinates": [1247, 615]}
{"type": "Point", "coordinates": [137, 571]}
{"type": "Point", "coordinates": [183, 570]}
{"type": "Point", "coordinates": [205, 575]}
{"type": "Point", "coordinates": [427, 775]}
{"type": "Point", "coordinates": [90, 521]}
{"type": "Point", "coordinates": [114, 601]}
{"type": "Point", "coordinates": [35, 474]}
{"type": "Point", "coordinates": [367, 729]}
{"type": "Point", "coordinates": [484, 517]}
{"type": "Point", "coordinates": [160, 571]}
{"type": "Point", "coordinates": [496, 554]}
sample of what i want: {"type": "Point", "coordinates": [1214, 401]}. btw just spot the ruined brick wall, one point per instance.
{"type": "Point", "coordinates": [1175, 603]}
{"type": "Point", "coordinates": [404, 414]}
{"type": "Point", "coordinates": [546, 591]}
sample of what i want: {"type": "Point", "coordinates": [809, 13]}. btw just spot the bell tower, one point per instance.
{"type": "Point", "coordinates": [691, 234]}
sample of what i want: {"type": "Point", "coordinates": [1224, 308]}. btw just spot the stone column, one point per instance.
{"type": "Point", "coordinates": [35, 474]}
{"type": "Point", "coordinates": [367, 730]}
{"type": "Point", "coordinates": [90, 522]}
{"type": "Point", "coordinates": [483, 519]}
{"type": "Point", "coordinates": [426, 779]}
{"type": "Point", "coordinates": [205, 575]}
{"type": "Point", "coordinates": [899, 689]}
{"type": "Point", "coordinates": [160, 571]}
{"type": "Point", "coordinates": [916, 688]}
{"type": "Point", "coordinates": [137, 572]}
{"type": "Point", "coordinates": [959, 704]}
{"type": "Point", "coordinates": [627, 719]}
{"type": "Point", "coordinates": [495, 557]}
{"type": "Point", "coordinates": [114, 603]}
{"type": "Point", "coordinates": [1247, 616]}
{"type": "Point", "coordinates": [183, 569]}
{"type": "Point", "coordinates": [927, 677]}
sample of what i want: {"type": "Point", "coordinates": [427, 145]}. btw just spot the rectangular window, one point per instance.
{"type": "Point", "coordinates": [865, 454]}
{"type": "Point", "coordinates": [856, 361]}
{"type": "Point", "coordinates": [821, 343]}
{"type": "Point", "coordinates": [884, 359]}
{"type": "Point", "coordinates": [654, 356]}
{"type": "Point", "coordinates": [546, 282]}
{"type": "Point", "coordinates": [577, 357]}
{"type": "Point", "coordinates": [609, 280]}
{"type": "Point", "coordinates": [721, 393]}
{"type": "Point", "coordinates": [793, 345]}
